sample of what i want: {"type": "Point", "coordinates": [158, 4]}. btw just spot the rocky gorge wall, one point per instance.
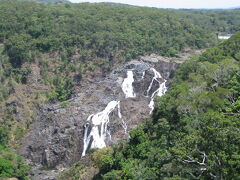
{"type": "Point", "coordinates": [100, 115]}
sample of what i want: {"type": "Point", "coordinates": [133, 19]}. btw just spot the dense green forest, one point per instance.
{"type": "Point", "coordinates": [66, 42]}
{"type": "Point", "coordinates": [100, 35]}
{"type": "Point", "coordinates": [194, 131]}
{"type": "Point", "coordinates": [48, 1]}
{"type": "Point", "coordinates": [222, 21]}
{"type": "Point", "coordinates": [53, 1]}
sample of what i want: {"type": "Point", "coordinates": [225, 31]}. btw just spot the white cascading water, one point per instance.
{"type": "Point", "coordinates": [143, 74]}
{"type": "Point", "coordinates": [99, 129]}
{"type": "Point", "coordinates": [127, 86]}
{"type": "Point", "coordinates": [159, 92]}
{"type": "Point", "coordinates": [99, 122]}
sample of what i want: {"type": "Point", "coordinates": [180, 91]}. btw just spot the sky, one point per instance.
{"type": "Point", "coordinates": [174, 3]}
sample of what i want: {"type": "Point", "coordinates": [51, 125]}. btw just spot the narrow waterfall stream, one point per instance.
{"type": "Point", "coordinates": [127, 86]}
{"type": "Point", "coordinates": [99, 129]}
{"type": "Point", "coordinates": [158, 92]}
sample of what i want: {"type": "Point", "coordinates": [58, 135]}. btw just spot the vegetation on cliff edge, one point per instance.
{"type": "Point", "coordinates": [194, 130]}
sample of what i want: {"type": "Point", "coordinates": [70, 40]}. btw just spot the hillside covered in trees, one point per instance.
{"type": "Point", "coordinates": [194, 131]}
{"type": "Point", "coordinates": [47, 1]}
{"type": "Point", "coordinates": [47, 49]}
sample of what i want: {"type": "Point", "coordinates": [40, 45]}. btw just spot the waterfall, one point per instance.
{"type": "Point", "coordinates": [159, 92]}
{"type": "Point", "coordinates": [119, 111]}
{"type": "Point", "coordinates": [96, 128]}
{"type": "Point", "coordinates": [99, 129]}
{"type": "Point", "coordinates": [143, 74]}
{"type": "Point", "coordinates": [127, 86]}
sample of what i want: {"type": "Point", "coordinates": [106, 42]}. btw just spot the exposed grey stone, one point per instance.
{"type": "Point", "coordinates": [55, 140]}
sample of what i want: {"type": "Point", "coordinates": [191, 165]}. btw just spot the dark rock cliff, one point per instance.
{"type": "Point", "coordinates": [55, 140]}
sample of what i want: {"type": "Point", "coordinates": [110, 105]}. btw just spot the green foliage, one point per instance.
{"type": "Point", "coordinates": [102, 158]}
{"type": "Point", "coordinates": [12, 165]}
{"type": "Point", "coordinates": [18, 49]}
{"type": "Point", "coordinates": [194, 131]}
{"type": "Point", "coordinates": [103, 30]}
{"type": "Point", "coordinates": [87, 37]}
{"type": "Point", "coordinates": [64, 104]}
{"type": "Point", "coordinates": [21, 75]}
{"type": "Point", "coordinates": [62, 89]}
{"type": "Point", "coordinates": [67, 41]}
{"type": "Point", "coordinates": [221, 21]}
{"type": "Point", "coordinates": [53, 1]}
{"type": "Point", "coordinates": [112, 175]}
{"type": "Point", "coordinates": [3, 136]}
{"type": "Point", "coordinates": [74, 173]}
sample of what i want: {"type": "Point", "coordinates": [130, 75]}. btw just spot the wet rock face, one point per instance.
{"type": "Point", "coordinates": [56, 139]}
